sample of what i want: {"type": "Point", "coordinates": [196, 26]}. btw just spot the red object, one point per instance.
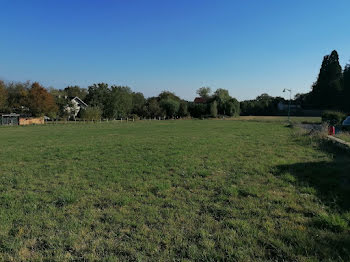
{"type": "Point", "coordinates": [331, 131]}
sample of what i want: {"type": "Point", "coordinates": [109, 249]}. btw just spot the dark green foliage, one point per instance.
{"type": "Point", "coordinates": [346, 89]}
{"type": "Point", "coordinates": [153, 108]}
{"type": "Point", "coordinates": [232, 107]}
{"type": "Point", "coordinates": [214, 109]}
{"type": "Point", "coordinates": [139, 104]}
{"type": "Point", "coordinates": [198, 110]}
{"type": "Point", "coordinates": [168, 95]}
{"type": "Point", "coordinates": [327, 91]}
{"type": "Point", "coordinates": [183, 109]}
{"type": "Point", "coordinates": [17, 100]}
{"type": "Point", "coordinates": [99, 96]}
{"type": "Point", "coordinates": [221, 96]}
{"type": "Point", "coordinates": [73, 91]}
{"type": "Point", "coordinates": [91, 113]}
{"type": "Point", "coordinates": [3, 97]}
{"type": "Point", "coordinates": [204, 92]}
{"type": "Point", "coordinates": [170, 106]}
{"type": "Point", "coordinates": [263, 105]}
{"type": "Point", "coordinates": [333, 117]}
{"type": "Point", "coordinates": [120, 102]}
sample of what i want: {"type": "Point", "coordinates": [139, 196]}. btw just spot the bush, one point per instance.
{"type": "Point", "coordinates": [214, 109]}
{"type": "Point", "coordinates": [91, 113]}
{"type": "Point", "coordinates": [333, 117]}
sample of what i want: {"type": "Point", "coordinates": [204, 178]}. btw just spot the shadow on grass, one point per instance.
{"type": "Point", "coordinates": [330, 182]}
{"type": "Point", "coordinates": [330, 179]}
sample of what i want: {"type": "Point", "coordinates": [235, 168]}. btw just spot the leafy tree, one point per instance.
{"type": "Point", "coordinates": [183, 109]}
{"type": "Point", "coordinates": [153, 108]}
{"type": "Point", "coordinates": [91, 113]}
{"type": "Point", "coordinates": [232, 107]}
{"type": "Point", "coordinates": [138, 104]}
{"type": "Point", "coordinates": [170, 106]}
{"type": "Point", "coordinates": [3, 96]}
{"type": "Point", "coordinates": [214, 109]}
{"type": "Point", "coordinates": [221, 96]}
{"type": "Point", "coordinates": [41, 102]}
{"type": "Point", "coordinates": [120, 102]}
{"type": "Point", "coordinates": [73, 91]}
{"type": "Point", "coordinates": [326, 92]}
{"type": "Point", "coordinates": [61, 101]}
{"type": "Point", "coordinates": [99, 96]}
{"type": "Point", "coordinates": [204, 92]}
{"type": "Point", "coordinates": [18, 96]}
{"type": "Point", "coordinates": [198, 110]}
{"type": "Point", "coordinates": [168, 95]}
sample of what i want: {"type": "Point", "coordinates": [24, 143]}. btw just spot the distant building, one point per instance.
{"type": "Point", "coordinates": [76, 105]}
{"type": "Point", "coordinates": [284, 107]}
{"type": "Point", "coordinates": [9, 119]}
{"type": "Point", "coordinates": [200, 100]}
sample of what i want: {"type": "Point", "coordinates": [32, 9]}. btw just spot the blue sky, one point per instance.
{"type": "Point", "coordinates": [248, 47]}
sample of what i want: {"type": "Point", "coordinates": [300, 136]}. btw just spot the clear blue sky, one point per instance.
{"type": "Point", "coordinates": [248, 47]}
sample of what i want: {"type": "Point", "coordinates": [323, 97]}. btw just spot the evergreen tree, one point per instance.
{"type": "Point", "coordinates": [326, 92]}
{"type": "Point", "coordinates": [346, 88]}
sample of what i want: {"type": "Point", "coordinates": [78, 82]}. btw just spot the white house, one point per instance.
{"type": "Point", "coordinates": [75, 106]}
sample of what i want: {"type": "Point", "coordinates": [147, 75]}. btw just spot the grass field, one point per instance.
{"type": "Point", "coordinates": [344, 136]}
{"type": "Point", "coordinates": [191, 190]}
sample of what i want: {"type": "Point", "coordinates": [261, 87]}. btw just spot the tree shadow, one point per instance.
{"type": "Point", "coordinates": [330, 182]}
{"type": "Point", "coordinates": [330, 179]}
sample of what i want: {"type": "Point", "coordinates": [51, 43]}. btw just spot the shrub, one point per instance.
{"type": "Point", "coordinates": [91, 113]}
{"type": "Point", "coordinates": [214, 109]}
{"type": "Point", "coordinates": [333, 117]}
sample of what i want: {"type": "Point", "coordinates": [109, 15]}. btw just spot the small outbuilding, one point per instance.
{"type": "Point", "coordinates": [9, 119]}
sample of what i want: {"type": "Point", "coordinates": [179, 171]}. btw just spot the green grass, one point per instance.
{"type": "Point", "coordinates": [186, 190]}
{"type": "Point", "coordinates": [344, 136]}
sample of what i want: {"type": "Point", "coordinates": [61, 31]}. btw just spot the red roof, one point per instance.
{"type": "Point", "coordinates": [200, 100]}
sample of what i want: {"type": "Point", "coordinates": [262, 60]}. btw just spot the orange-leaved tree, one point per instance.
{"type": "Point", "coordinates": [41, 102]}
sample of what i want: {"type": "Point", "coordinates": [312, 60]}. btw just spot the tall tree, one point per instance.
{"type": "Point", "coordinates": [73, 91]}
{"type": "Point", "coordinates": [153, 108]}
{"type": "Point", "coordinates": [138, 104]}
{"type": "Point", "coordinates": [41, 102]}
{"type": "Point", "coordinates": [326, 91]}
{"type": "Point", "coordinates": [170, 106]}
{"type": "Point", "coordinates": [168, 95]}
{"type": "Point", "coordinates": [99, 96]}
{"type": "Point", "coordinates": [183, 109]}
{"type": "Point", "coordinates": [120, 102]}
{"type": "Point", "coordinates": [18, 96]}
{"type": "Point", "coordinates": [346, 89]}
{"type": "Point", "coordinates": [204, 92]}
{"type": "Point", "coordinates": [222, 96]}
{"type": "Point", "coordinates": [214, 109]}
{"type": "Point", "coordinates": [3, 96]}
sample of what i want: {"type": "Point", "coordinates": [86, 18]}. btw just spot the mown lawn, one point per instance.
{"type": "Point", "coordinates": [187, 190]}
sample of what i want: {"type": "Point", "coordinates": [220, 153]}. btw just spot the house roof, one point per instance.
{"type": "Point", "coordinates": [79, 101]}
{"type": "Point", "coordinates": [200, 100]}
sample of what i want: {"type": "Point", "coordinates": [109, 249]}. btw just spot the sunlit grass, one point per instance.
{"type": "Point", "coordinates": [187, 190]}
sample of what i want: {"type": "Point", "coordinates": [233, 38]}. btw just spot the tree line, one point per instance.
{"type": "Point", "coordinates": [110, 102]}
{"type": "Point", "coordinates": [331, 91]}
